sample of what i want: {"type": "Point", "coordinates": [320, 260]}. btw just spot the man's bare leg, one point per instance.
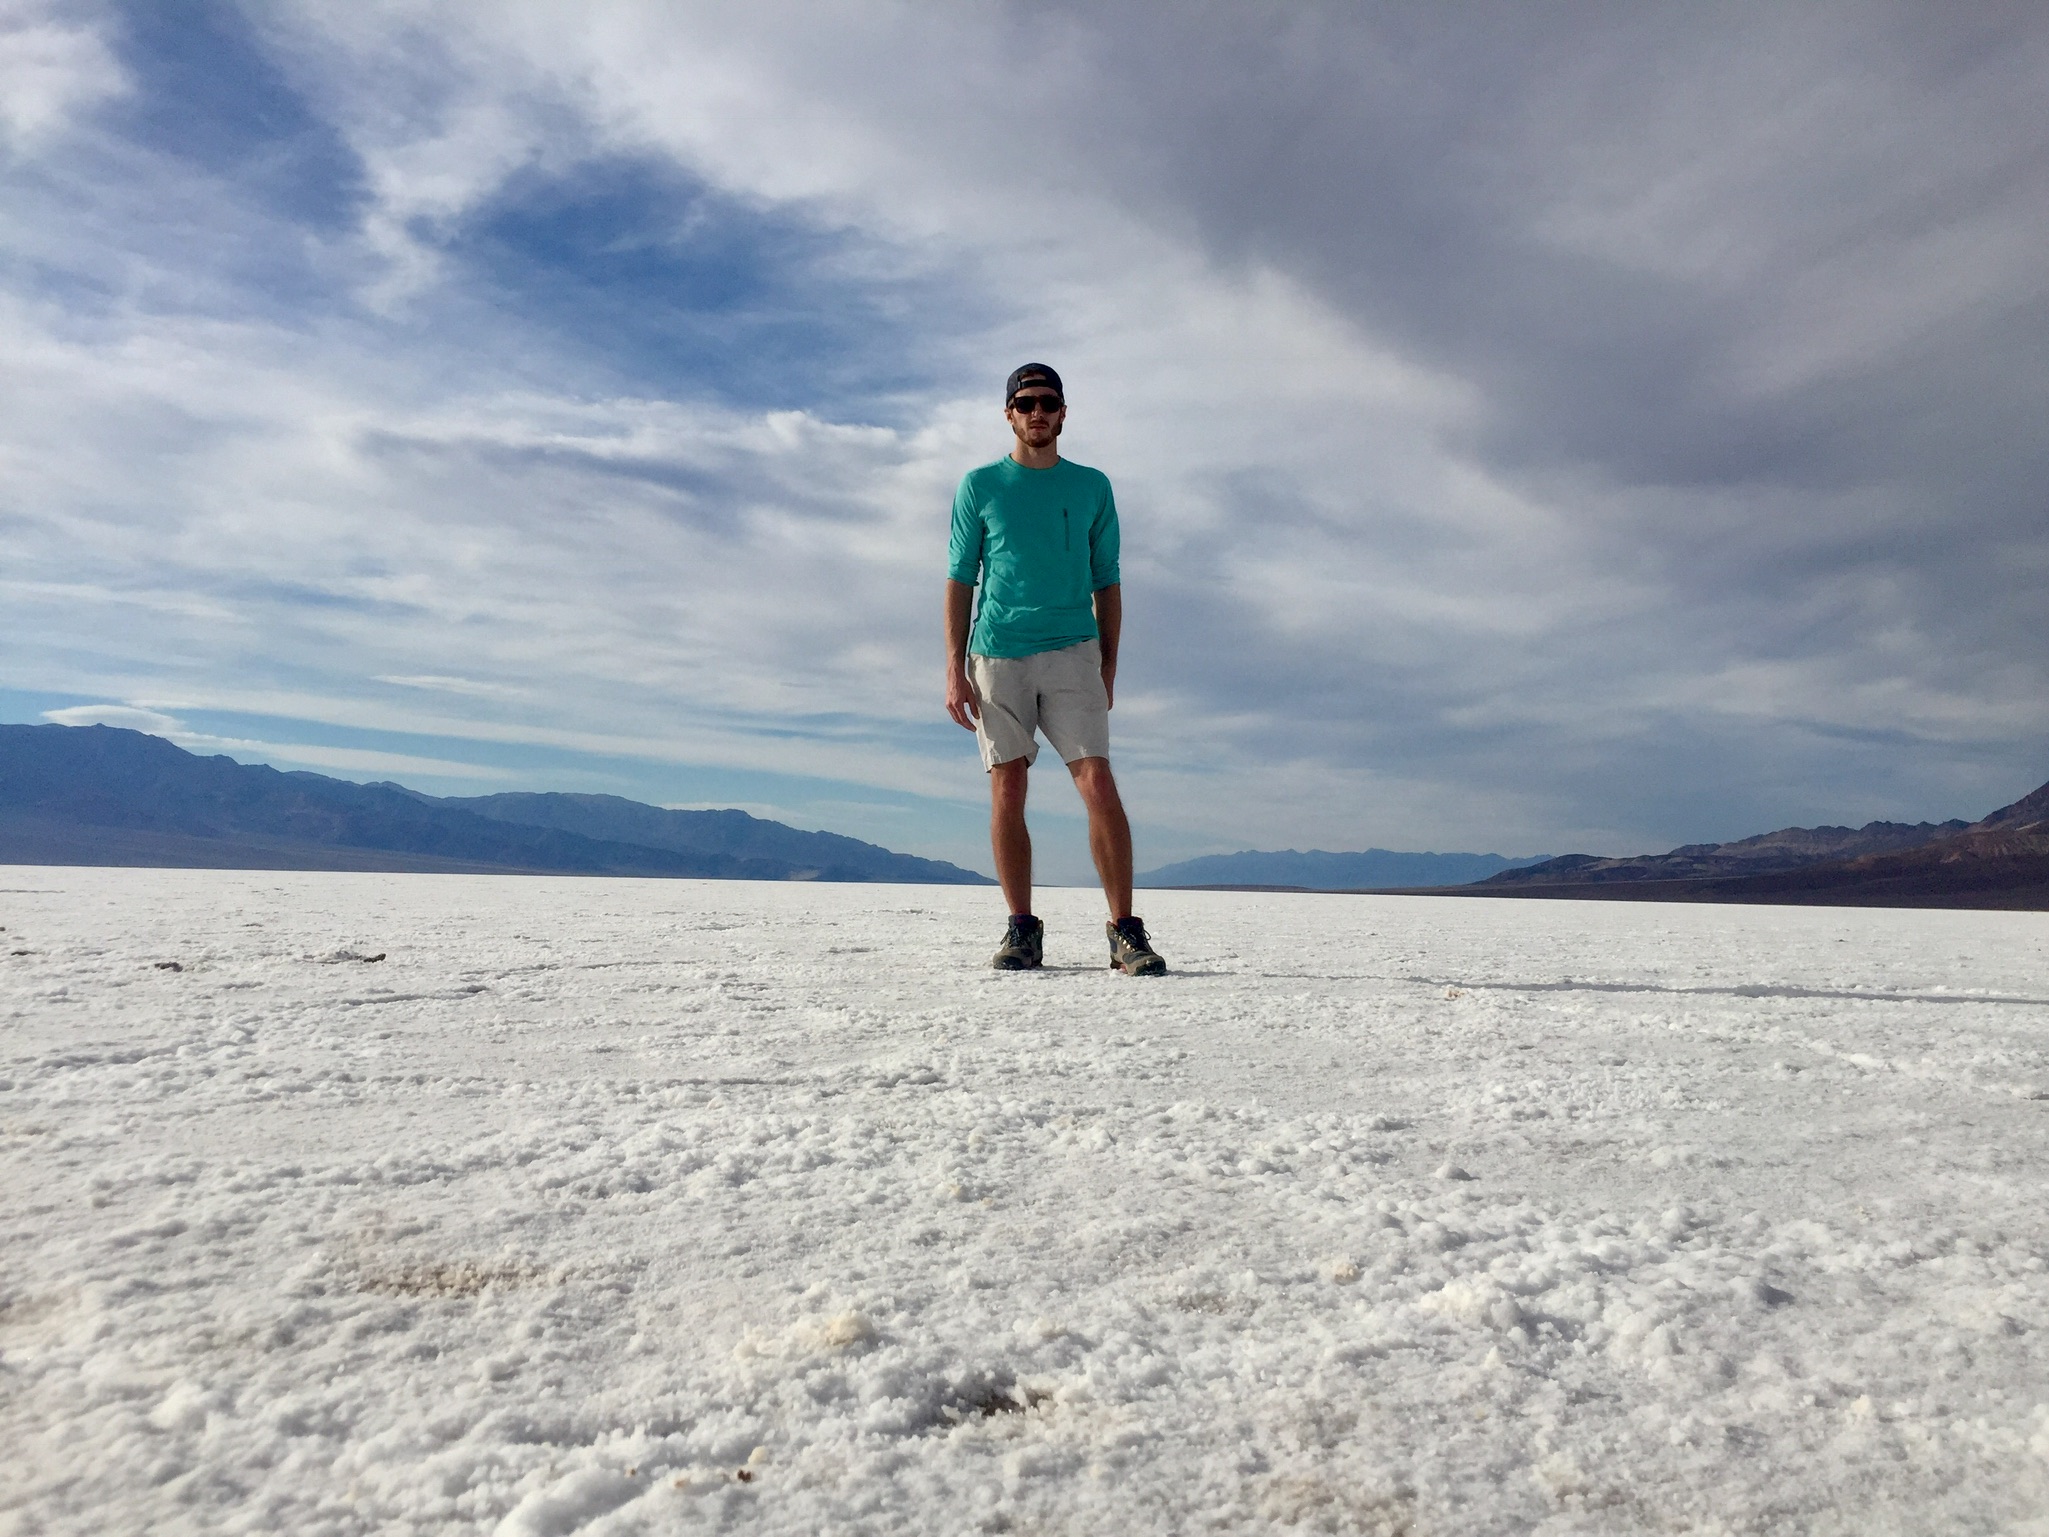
{"type": "Point", "coordinates": [1008, 836]}
{"type": "Point", "coordinates": [1109, 832]}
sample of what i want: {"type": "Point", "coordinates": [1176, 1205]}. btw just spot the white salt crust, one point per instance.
{"type": "Point", "coordinates": [663, 1206]}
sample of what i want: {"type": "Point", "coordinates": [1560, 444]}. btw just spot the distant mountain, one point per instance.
{"type": "Point", "coordinates": [728, 833]}
{"type": "Point", "coordinates": [1789, 848]}
{"type": "Point", "coordinates": [99, 795]}
{"type": "Point", "coordinates": [1317, 870]}
{"type": "Point", "coordinates": [2000, 861]}
{"type": "Point", "coordinates": [2025, 816]}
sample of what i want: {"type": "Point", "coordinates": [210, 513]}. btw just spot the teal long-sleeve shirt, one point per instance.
{"type": "Point", "coordinates": [1042, 543]}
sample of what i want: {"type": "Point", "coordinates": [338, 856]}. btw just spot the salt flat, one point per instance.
{"type": "Point", "coordinates": [651, 1206]}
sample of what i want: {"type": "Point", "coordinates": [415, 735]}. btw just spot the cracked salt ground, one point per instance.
{"type": "Point", "coordinates": [615, 1207]}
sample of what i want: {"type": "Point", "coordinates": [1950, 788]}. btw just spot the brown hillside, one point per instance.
{"type": "Point", "coordinates": [2000, 861]}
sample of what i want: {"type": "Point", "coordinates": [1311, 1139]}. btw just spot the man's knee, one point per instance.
{"type": "Point", "coordinates": [1093, 778]}
{"type": "Point", "coordinates": [1007, 782]}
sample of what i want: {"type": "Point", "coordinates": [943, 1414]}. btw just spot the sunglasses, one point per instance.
{"type": "Point", "coordinates": [1025, 405]}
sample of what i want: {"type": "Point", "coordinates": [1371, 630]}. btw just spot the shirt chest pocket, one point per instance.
{"type": "Point", "coordinates": [1045, 540]}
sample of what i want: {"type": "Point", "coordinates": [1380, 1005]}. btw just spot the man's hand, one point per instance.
{"type": "Point", "coordinates": [1109, 685]}
{"type": "Point", "coordinates": [961, 702]}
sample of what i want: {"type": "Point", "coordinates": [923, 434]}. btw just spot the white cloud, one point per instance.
{"type": "Point", "coordinates": [442, 685]}
{"type": "Point", "coordinates": [50, 71]}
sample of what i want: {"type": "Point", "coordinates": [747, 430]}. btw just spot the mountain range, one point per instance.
{"type": "Point", "coordinates": [1999, 861]}
{"type": "Point", "coordinates": [101, 795]}
{"type": "Point", "coordinates": [1790, 848]}
{"type": "Point", "coordinates": [1318, 870]}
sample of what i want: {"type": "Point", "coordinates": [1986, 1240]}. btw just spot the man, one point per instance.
{"type": "Point", "coordinates": [1040, 532]}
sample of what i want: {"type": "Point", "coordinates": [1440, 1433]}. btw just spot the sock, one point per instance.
{"type": "Point", "coordinates": [1022, 918]}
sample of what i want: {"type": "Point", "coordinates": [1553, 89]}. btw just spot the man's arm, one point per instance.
{"type": "Point", "coordinates": [1109, 629]}
{"type": "Point", "coordinates": [961, 703]}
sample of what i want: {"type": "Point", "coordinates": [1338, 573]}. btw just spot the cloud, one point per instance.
{"type": "Point", "coordinates": [467, 686]}
{"type": "Point", "coordinates": [1534, 427]}
{"type": "Point", "coordinates": [50, 72]}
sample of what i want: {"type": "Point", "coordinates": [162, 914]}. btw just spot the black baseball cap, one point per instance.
{"type": "Point", "coordinates": [1030, 373]}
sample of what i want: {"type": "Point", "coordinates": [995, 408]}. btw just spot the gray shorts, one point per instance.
{"type": "Point", "coordinates": [1057, 692]}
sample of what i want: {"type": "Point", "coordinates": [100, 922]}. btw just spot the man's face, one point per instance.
{"type": "Point", "coordinates": [1036, 414]}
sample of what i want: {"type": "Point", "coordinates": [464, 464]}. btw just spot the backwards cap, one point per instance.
{"type": "Point", "coordinates": [1031, 373]}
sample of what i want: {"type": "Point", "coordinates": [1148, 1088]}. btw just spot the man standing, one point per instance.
{"type": "Point", "coordinates": [1040, 532]}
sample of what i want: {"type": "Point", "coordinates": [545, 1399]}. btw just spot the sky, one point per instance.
{"type": "Point", "coordinates": [1535, 427]}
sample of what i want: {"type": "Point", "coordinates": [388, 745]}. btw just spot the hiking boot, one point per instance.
{"type": "Point", "coordinates": [1024, 946]}
{"type": "Point", "coordinates": [1130, 951]}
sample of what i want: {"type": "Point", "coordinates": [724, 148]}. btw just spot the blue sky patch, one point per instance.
{"type": "Point", "coordinates": [210, 94]}
{"type": "Point", "coordinates": [675, 288]}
